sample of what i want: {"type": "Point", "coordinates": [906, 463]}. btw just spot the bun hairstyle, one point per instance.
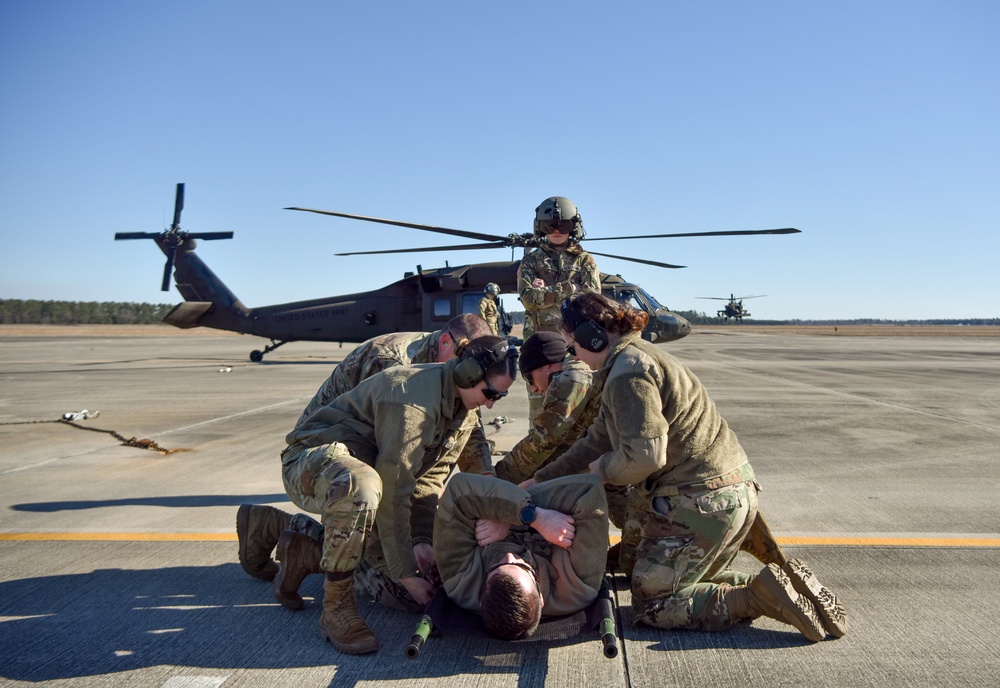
{"type": "Point", "coordinates": [484, 357]}
{"type": "Point", "coordinates": [460, 345]}
{"type": "Point", "coordinates": [593, 318]}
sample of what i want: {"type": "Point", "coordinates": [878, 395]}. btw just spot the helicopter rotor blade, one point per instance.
{"type": "Point", "coordinates": [209, 236]}
{"type": "Point", "coordinates": [178, 206]}
{"type": "Point", "coordinates": [136, 235]}
{"type": "Point", "coordinates": [467, 247]}
{"type": "Point", "coordinates": [166, 268]}
{"type": "Point", "coordinates": [412, 225]}
{"type": "Point", "coordinates": [737, 232]}
{"type": "Point", "coordinates": [637, 260]}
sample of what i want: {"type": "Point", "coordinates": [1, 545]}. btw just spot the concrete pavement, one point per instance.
{"type": "Point", "coordinates": [118, 564]}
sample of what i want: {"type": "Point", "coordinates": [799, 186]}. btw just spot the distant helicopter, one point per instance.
{"type": "Point", "coordinates": [733, 309]}
{"type": "Point", "coordinates": [422, 301]}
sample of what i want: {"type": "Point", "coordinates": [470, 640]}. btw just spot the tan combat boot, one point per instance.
{"type": "Point", "coordinates": [341, 623]}
{"type": "Point", "coordinates": [299, 555]}
{"type": "Point", "coordinates": [832, 613]}
{"type": "Point", "coordinates": [258, 528]}
{"type": "Point", "coordinates": [771, 594]}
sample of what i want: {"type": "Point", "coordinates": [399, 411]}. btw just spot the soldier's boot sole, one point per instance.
{"type": "Point", "coordinates": [362, 646]}
{"type": "Point", "coordinates": [785, 604]}
{"type": "Point", "coordinates": [829, 608]}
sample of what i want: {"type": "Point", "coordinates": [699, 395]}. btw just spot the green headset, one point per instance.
{"type": "Point", "coordinates": [587, 333]}
{"type": "Point", "coordinates": [471, 370]}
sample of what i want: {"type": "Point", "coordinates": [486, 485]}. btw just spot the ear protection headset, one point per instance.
{"type": "Point", "coordinates": [587, 333]}
{"type": "Point", "coordinates": [470, 371]}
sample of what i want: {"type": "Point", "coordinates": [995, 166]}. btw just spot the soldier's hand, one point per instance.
{"type": "Point", "coordinates": [528, 483]}
{"type": "Point", "coordinates": [488, 531]}
{"type": "Point", "coordinates": [420, 589]}
{"type": "Point", "coordinates": [555, 526]}
{"type": "Point", "coordinates": [424, 554]}
{"type": "Point", "coordinates": [538, 283]}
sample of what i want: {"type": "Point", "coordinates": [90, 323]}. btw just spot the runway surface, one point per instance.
{"type": "Point", "coordinates": [118, 563]}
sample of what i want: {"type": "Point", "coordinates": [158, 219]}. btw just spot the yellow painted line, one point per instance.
{"type": "Point", "coordinates": [891, 541]}
{"type": "Point", "coordinates": [840, 541]}
{"type": "Point", "coordinates": [121, 537]}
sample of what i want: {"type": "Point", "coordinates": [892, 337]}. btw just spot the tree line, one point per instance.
{"type": "Point", "coordinates": [33, 312]}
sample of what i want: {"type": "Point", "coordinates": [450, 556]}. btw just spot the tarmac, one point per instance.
{"type": "Point", "coordinates": [118, 563]}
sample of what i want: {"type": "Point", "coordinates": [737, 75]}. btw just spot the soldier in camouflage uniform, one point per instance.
{"type": "Point", "coordinates": [572, 398]}
{"type": "Point", "coordinates": [558, 268]}
{"type": "Point", "coordinates": [488, 310]}
{"type": "Point", "coordinates": [694, 495]}
{"type": "Point", "coordinates": [260, 527]}
{"type": "Point", "coordinates": [397, 348]}
{"type": "Point", "coordinates": [373, 463]}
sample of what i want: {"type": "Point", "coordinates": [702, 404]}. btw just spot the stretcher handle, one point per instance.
{"type": "Point", "coordinates": [420, 635]}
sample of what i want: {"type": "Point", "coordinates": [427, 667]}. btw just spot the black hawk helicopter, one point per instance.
{"type": "Point", "coordinates": [734, 309]}
{"type": "Point", "coordinates": [422, 301]}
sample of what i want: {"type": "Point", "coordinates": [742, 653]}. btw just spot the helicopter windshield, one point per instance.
{"type": "Point", "coordinates": [639, 299]}
{"type": "Point", "coordinates": [652, 301]}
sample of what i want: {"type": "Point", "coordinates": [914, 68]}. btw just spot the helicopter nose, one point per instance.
{"type": "Point", "coordinates": [683, 327]}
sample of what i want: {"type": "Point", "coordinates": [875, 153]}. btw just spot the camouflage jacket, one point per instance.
{"type": "Point", "coordinates": [405, 423]}
{"type": "Point", "coordinates": [567, 578]}
{"type": "Point", "coordinates": [374, 356]}
{"type": "Point", "coordinates": [561, 270]}
{"type": "Point", "coordinates": [568, 408]}
{"type": "Point", "coordinates": [657, 428]}
{"type": "Point", "coordinates": [489, 312]}
{"type": "Point", "coordinates": [387, 351]}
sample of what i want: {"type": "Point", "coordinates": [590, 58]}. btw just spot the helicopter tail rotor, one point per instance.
{"type": "Point", "coordinates": [173, 238]}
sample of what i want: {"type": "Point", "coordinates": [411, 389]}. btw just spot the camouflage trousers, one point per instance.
{"type": "Point", "coordinates": [679, 550]}
{"type": "Point", "coordinates": [343, 490]}
{"type": "Point", "coordinates": [369, 580]}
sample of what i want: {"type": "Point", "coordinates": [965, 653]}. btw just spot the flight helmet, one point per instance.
{"type": "Point", "coordinates": [492, 288]}
{"type": "Point", "coordinates": [558, 209]}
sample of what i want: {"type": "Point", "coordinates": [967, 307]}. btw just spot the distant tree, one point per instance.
{"type": "Point", "coordinates": [32, 312]}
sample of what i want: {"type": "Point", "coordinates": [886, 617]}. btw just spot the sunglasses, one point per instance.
{"type": "Point", "coordinates": [561, 227]}
{"type": "Point", "coordinates": [492, 394]}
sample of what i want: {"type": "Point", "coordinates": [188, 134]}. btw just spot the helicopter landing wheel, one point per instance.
{"type": "Point", "coordinates": [257, 356]}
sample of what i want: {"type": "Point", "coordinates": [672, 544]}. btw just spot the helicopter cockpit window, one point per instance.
{"type": "Point", "coordinates": [653, 302]}
{"type": "Point", "coordinates": [442, 308]}
{"type": "Point", "coordinates": [631, 298]}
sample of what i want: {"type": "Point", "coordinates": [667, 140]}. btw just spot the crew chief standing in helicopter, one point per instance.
{"type": "Point", "coordinates": [554, 271]}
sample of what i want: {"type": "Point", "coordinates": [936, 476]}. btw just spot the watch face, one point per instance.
{"type": "Point", "coordinates": [528, 514]}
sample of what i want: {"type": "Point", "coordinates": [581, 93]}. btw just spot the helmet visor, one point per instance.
{"type": "Point", "coordinates": [559, 226]}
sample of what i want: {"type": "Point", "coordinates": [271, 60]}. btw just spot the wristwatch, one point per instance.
{"type": "Point", "coordinates": [528, 514]}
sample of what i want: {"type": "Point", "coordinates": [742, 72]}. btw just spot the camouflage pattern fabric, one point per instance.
{"type": "Point", "coordinates": [374, 356]}
{"type": "Point", "coordinates": [564, 271]}
{"type": "Point", "coordinates": [683, 547]}
{"type": "Point", "coordinates": [374, 583]}
{"type": "Point", "coordinates": [568, 407]}
{"type": "Point", "coordinates": [408, 425]}
{"type": "Point", "coordinates": [327, 480]}
{"type": "Point", "coordinates": [388, 351]}
{"type": "Point", "coordinates": [489, 312]}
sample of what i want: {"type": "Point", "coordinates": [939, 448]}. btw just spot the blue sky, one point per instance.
{"type": "Point", "coordinates": [871, 126]}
